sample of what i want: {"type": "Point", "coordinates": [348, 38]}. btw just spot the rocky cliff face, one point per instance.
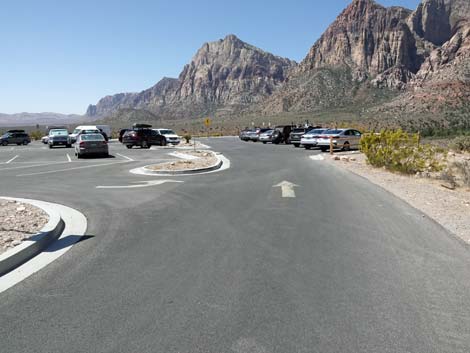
{"type": "Point", "coordinates": [388, 48]}
{"type": "Point", "coordinates": [228, 74]}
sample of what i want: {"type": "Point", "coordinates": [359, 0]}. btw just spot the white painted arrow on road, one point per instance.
{"type": "Point", "coordinates": [287, 188]}
{"type": "Point", "coordinates": [143, 184]}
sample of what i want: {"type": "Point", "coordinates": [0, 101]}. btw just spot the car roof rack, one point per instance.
{"type": "Point", "coordinates": [141, 126]}
{"type": "Point", "coordinates": [16, 131]}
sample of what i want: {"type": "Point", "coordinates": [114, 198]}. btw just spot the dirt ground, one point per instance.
{"type": "Point", "coordinates": [19, 221]}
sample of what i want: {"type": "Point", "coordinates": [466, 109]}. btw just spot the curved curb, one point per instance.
{"type": "Point", "coordinates": [222, 164]}
{"type": "Point", "coordinates": [29, 248]}
{"type": "Point", "coordinates": [216, 166]}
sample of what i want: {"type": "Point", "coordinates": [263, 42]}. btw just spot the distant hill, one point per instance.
{"type": "Point", "coordinates": [30, 119]}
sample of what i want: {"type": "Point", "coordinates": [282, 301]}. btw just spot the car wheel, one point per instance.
{"type": "Point", "coordinates": [324, 148]}
{"type": "Point", "coordinates": [163, 142]}
{"type": "Point", "coordinates": [79, 156]}
{"type": "Point", "coordinates": [144, 144]}
{"type": "Point", "coordinates": [68, 146]}
{"type": "Point", "coordinates": [307, 147]}
{"type": "Point", "coordinates": [50, 146]}
{"type": "Point", "coordinates": [346, 146]}
{"type": "Point", "coordinates": [264, 142]}
{"type": "Point", "coordinates": [5, 143]}
{"type": "Point", "coordinates": [129, 146]}
{"type": "Point", "coordinates": [296, 145]}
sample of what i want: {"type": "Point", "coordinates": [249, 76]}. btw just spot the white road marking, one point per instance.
{"type": "Point", "coordinates": [75, 227]}
{"type": "Point", "coordinates": [68, 157]}
{"type": "Point", "coordinates": [75, 168]}
{"type": "Point", "coordinates": [11, 160]}
{"type": "Point", "coordinates": [143, 184]}
{"type": "Point", "coordinates": [128, 158]}
{"type": "Point", "coordinates": [287, 189]}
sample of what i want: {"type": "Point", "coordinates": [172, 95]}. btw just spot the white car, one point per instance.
{"type": "Point", "coordinates": [170, 136]}
{"type": "Point", "coordinates": [45, 139]}
{"type": "Point", "coordinates": [309, 139]}
{"type": "Point", "coordinates": [87, 129]}
{"type": "Point", "coordinates": [344, 139]}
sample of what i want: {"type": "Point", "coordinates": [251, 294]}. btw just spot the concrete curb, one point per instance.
{"type": "Point", "coordinates": [20, 254]}
{"type": "Point", "coordinates": [216, 166]}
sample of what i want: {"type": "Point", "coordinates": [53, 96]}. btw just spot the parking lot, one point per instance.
{"type": "Point", "coordinates": [244, 252]}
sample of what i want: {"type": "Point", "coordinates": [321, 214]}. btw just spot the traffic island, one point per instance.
{"type": "Point", "coordinates": [190, 163]}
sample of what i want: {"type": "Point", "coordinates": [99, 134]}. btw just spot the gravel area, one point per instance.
{"type": "Point", "coordinates": [203, 159]}
{"type": "Point", "coordinates": [450, 208]}
{"type": "Point", "coordinates": [19, 221]}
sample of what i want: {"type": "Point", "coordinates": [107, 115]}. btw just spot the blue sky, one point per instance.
{"type": "Point", "coordinates": [60, 55]}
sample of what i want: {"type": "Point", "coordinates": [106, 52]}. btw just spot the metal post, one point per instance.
{"type": "Point", "coordinates": [331, 144]}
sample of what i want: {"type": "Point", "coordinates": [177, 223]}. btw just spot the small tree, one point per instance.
{"type": "Point", "coordinates": [187, 137]}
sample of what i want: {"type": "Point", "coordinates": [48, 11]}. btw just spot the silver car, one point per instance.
{"type": "Point", "coordinates": [344, 139]}
{"type": "Point", "coordinates": [266, 136]}
{"type": "Point", "coordinates": [309, 139]}
{"type": "Point", "coordinates": [91, 144]}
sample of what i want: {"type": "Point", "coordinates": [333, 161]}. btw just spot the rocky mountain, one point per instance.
{"type": "Point", "coordinates": [31, 119]}
{"type": "Point", "coordinates": [371, 48]}
{"type": "Point", "coordinates": [226, 75]}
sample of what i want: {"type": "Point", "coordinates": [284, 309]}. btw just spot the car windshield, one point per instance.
{"type": "Point", "coordinates": [92, 137]}
{"type": "Point", "coordinates": [333, 132]}
{"type": "Point", "coordinates": [6, 135]}
{"type": "Point", "coordinates": [268, 132]}
{"type": "Point", "coordinates": [316, 132]}
{"type": "Point", "coordinates": [167, 132]}
{"type": "Point", "coordinates": [90, 131]}
{"type": "Point", "coordinates": [58, 133]}
{"type": "Point", "coordinates": [298, 130]}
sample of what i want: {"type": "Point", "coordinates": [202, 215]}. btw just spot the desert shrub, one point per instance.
{"type": "Point", "coordinates": [401, 152]}
{"type": "Point", "coordinates": [464, 169]}
{"type": "Point", "coordinates": [461, 144]}
{"type": "Point", "coordinates": [187, 137]}
{"type": "Point", "coordinates": [36, 135]}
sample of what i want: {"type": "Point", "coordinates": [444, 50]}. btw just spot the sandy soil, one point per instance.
{"type": "Point", "coordinates": [201, 159]}
{"type": "Point", "coordinates": [19, 221]}
{"type": "Point", "coordinates": [450, 208]}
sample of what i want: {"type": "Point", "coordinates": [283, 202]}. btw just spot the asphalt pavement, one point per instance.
{"type": "Point", "coordinates": [223, 263]}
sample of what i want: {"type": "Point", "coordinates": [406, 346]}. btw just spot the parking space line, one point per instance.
{"type": "Point", "coordinates": [128, 158]}
{"type": "Point", "coordinates": [68, 169]}
{"type": "Point", "coordinates": [32, 165]}
{"type": "Point", "coordinates": [11, 160]}
{"type": "Point", "coordinates": [68, 157]}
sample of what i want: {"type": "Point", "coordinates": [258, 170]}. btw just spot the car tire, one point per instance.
{"type": "Point", "coordinates": [68, 146]}
{"type": "Point", "coordinates": [296, 145]}
{"type": "Point", "coordinates": [346, 146]}
{"type": "Point", "coordinates": [163, 142]}
{"type": "Point", "coordinates": [50, 146]}
{"type": "Point", "coordinates": [307, 147]}
{"type": "Point", "coordinates": [4, 143]}
{"type": "Point", "coordinates": [79, 156]}
{"type": "Point", "coordinates": [324, 148]}
{"type": "Point", "coordinates": [264, 142]}
{"type": "Point", "coordinates": [129, 146]}
{"type": "Point", "coordinates": [144, 144]}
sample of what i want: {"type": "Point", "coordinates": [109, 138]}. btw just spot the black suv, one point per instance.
{"type": "Point", "coordinates": [297, 134]}
{"type": "Point", "coordinates": [19, 137]}
{"type": "Point", "coordinates": [281, 134]}
{"type": "Point", "coordinates": [142, 135]}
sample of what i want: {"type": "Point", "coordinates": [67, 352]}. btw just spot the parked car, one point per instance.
{"type": "Point", "coordinates": [266, 136]}
{"type": "Point", "coordinates": [244, 135]}
{"type": "Point", "coordinates": [309, 140]}
{"type": "Point", "coordinates": [142, 135]}
{"type": "Point", "coordinates": [121, 133]}
{"type": "Point", "coordinates": [84, 129]}
{"type": "Point", "coordinates": [297, 133]}
{"type": "Point", "coordinates": [58, 137]}
{"type": "Point", "coordinates": [45, 139]}
{"type": "Point", "coordinates": [281, 134]}
{"type": "Point", "coordinates": [344, 139]}
{"type": "Point", "coordinates": [18, 137]}
{"type": "Point", "coordinates": [91, 144]}
{"type": "Point", "coordinates": [169, 135]}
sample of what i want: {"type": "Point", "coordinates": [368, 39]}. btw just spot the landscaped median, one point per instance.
{"type": "Point", "coordinates": [26, 229]}
{"type": "Point", "coordinates": [189, 163]}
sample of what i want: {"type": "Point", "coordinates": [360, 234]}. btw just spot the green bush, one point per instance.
{"type": "Point", "coordinates": [36, 135]}
{"type": "Point", "coordinates": [461, 144]}
{"type": "Point", "coordinates": [187, 137]}
{"type": "Point", "coordinates": [401, 152]}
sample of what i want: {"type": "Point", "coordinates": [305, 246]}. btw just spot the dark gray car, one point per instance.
{"type": "Point", "coordinates": [17, 137]}
{"type": "Point", "coordinates": [58, 137]}
{"type": "Point", "coordinates": [91, 144]}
